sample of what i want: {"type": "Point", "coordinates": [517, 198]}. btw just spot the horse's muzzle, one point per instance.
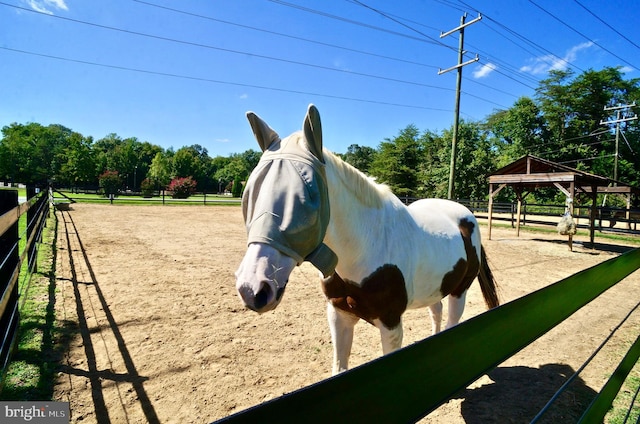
{"type": "Point", "coordinates": [262, 277]}
{"type": "Point", "coordinates": [264, 300]}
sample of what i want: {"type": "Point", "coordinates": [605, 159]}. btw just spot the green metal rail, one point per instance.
{"type": "Point", "coordinates": [408, 384]}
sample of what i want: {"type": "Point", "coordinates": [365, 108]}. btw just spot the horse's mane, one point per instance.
{"type": "Point", "coordinates": [364, 188]}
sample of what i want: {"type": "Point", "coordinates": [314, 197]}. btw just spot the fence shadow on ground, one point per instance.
{"type": "Point", "coordinates": [595, 247]}
{"type": "Point", "coordinates": [99, 378]}
{"type": "Point", "coordinates": [518, 393]}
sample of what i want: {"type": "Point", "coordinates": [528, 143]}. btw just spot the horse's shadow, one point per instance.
{"type": "Point", "coordinates": [519, 393]}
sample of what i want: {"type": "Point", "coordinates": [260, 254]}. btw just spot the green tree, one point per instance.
{"type": "Point", "coordinates": [397, 162]}
{"type": "Point", "coordinates": [236, 166]}
{"type": "Point", "coordinates": [160, 170]}
{"type": "Point", "coordinates": [192, 161]}
{"type": "Point", "coordinates": [146, 152]}
{"type": "Point", "coordinates": [475, 161]}
{"type": "Point", "coordinates": [78, 164]}
{"type": "Point", "coordinates": [30, 153]}
{"type": "Point", "coordinates": [360, 157]}
{"type": "Point", "coordinates": [217, 173]}
{"type": "Point", "coordinates": [519, 130]}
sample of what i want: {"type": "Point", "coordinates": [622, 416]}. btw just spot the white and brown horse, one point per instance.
{"type": "Point", "coordinates": [378, 257]}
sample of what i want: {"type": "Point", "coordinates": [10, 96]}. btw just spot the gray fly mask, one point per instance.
{"type": "Point", "coordinates": [285, 202]}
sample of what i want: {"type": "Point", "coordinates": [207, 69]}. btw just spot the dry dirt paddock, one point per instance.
{"type": "Point", "coordinates": [158, 334]}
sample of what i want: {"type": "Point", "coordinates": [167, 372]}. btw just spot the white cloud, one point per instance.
{"type": "Point", "coordinates": [543, 64]}
{"type": "Point", "coordinates": [626, 69]}
{"type": "Point", "coordinates": [222, 140]}
{"type": "Point", "coordinates": [340, 65]}
{"type": "Point", "coordinates": [244, 96]}
{"type": "Point", "coordinates": [47, 6]}
{"type": "Point", "coordinates": [484, 70]}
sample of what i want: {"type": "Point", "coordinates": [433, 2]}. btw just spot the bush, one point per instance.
{"type": "Point", "coordinates": [182, 188]}
{"type": "Point", "coordinates": [147, 186]}
{"type": "Point", "coordinates": [110, 182]}
{"type": "Point", "coordinates": [236, 190]}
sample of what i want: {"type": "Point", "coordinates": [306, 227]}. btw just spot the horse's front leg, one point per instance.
{"type": "Point", "coordinates": [391, 338]}
{"type": "Point", "coordinates": [341, 325]}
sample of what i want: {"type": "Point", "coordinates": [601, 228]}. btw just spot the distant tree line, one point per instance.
{"type": "Point", "coordinates": [36, 154]}
{"type": "Point", "coordinates": [561, 122]}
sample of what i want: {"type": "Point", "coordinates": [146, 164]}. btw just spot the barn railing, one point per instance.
{"type": "Point", "coordinates": [404, 386]}
{"type": "Point", "coordinates": [17, 247]}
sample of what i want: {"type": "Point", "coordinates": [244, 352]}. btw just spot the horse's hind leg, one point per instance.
{"type": "Point", "coordinates": [456, 309]}
{"type": "Point", "coordinates": [435, 311]}
{"type": "Point", "coordinates": [341, 325]}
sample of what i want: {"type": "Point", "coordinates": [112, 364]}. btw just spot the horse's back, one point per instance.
{"type": "Point", "coordinates": [434, 214]}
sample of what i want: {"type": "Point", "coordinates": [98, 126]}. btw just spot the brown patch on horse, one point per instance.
{"type": "Point", "coordinates": [382, 295]}
{"type": "Point", "coordinates": [459, 279]}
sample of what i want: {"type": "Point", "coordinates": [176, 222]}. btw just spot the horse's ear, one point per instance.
{"type": "Point", "coordinates": [263, 132]}
{"type": "Point", "coordinates": [313, 132]}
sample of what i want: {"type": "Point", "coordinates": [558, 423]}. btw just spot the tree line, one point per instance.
{"type": "Point", "coordinates": [561, 122]}
{"type": "Point", "coordinates": [36, 154]}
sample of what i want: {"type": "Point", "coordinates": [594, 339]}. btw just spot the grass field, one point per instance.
{"type": "Point", "coordinates": [30, 375]}
{"type": "Point", "coordinates": [209, 199]}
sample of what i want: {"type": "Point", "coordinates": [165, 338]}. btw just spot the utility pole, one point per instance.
{"type": "Point", "coordinates": [619, 119]}
{"type": "Point", "coordinates": [459, 66]}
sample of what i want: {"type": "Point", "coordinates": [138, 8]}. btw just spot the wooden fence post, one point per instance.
{"type": "Point", "coordinates": [8, 294]}
{"type": "Point", "coordinates": [32, 214]}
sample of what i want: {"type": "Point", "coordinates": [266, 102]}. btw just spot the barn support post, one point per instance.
{"type": "Point", "coordinates": [490, 209]}
{"type": "Point", "coordinates": [492, 194]}
{"type": "Point", "coordinates": [592, 218]}
{"type": "Point", "coordinates": [520, 197]}
{"type": "Point", "coordinates": [518, 210]}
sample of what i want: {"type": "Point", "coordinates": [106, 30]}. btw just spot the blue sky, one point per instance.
{"type": "Point", "coordinates": [177, 73]}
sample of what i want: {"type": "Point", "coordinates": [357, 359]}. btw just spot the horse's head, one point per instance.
{"type": "Point", "coordinates": [286, 211]}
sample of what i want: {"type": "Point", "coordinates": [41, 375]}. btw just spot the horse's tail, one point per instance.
{"type": "Point", "coordinates": [487, 282]}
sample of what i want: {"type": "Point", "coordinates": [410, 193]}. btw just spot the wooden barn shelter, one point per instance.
{"type": "Point", "coordinates": [529, 173]}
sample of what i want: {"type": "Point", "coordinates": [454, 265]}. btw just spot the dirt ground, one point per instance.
{"type": "Point", "coordinates": [159, 335]}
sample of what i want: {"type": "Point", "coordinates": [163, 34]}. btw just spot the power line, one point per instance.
{"type": "Point", "coordinates": [336, 46]}
{"type": "Point", "coordinates": [525, 40]}
{"type": "Point", "coordinates": [207, 46]}
{"type": "Point", "coordinates": [567, 148]}
{"type": "Point", "coordinates": [194, 44]}
{"type": "Point", "coordinates": [214, 81]}
{"type": "Point", "coordinates": [280, 34]}
{"type": "Point", "coordinates": [398, 20]}
{"type": "Point", "coordinates": [391, 18]}
{"type": "Point", "coordinates": [581, 34]}
{"type": "Point", "coordinates": [428, 40]}
{"type": "Point", "coordinates": [586, 159]}
{"type": "Point", "coordinates": [606, 24]}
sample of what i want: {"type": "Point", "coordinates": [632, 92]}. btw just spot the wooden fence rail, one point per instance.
{"type": "Point", "coordinates": [13, 254]}
{"type": "Point", "coordinates": [404, 387]}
